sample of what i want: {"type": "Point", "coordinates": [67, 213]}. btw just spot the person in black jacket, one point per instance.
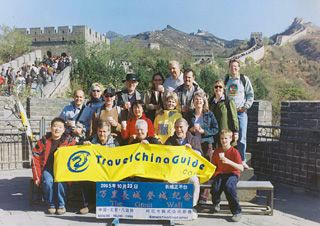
{"type": "Point", "coordinates": [183, 137]}
{"type": "Point", "coordinates": [186, 91]}
{"type": "Point", "coordinates": [127, 96]}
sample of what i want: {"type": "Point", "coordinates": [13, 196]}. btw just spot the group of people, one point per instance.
{"type": "Point", "coordinates": [175, 111]}
{"type": "Point", "coordinates": [32, 77]}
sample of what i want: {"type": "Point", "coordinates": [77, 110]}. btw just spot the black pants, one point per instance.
{"type": "Point", "coordinates": [226, 183]}
{"type": "Point", "coordinates": [88, 193]}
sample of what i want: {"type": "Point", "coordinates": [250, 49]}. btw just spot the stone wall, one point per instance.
{"type": "Point", "coordinates": [259, 114]}
{"type": "Point", "coordinates": [294, 156]}
{"type": "Point", "coordinates": [58, 87]}
{"type": "Point", "coordinates": [256, 55]}
{"type": "Point", "coordinates": [57, 40]}
{"type": "Point", "coordinates": [283, 39]}
{"type": "Point", "coordinates": [27, 59]}
{"type": "Point", "coordinates": [47, 108]}
{"type": "Point", "coordinates": [256, 51]}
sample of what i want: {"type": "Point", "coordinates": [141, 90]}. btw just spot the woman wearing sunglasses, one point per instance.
{"type": "Point", "coordinates": [225, 112]}
{"type": "Point", "coordinates": [154, 98]}
{"type": "Point", "coordinates": [95, 102]}
{"type": "Point", "coordinates": [96, 99]}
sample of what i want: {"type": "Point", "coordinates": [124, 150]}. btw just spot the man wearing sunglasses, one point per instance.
{"type": "Point", "coordinates": [107, 113]}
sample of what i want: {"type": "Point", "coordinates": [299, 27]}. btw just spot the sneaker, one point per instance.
{"type": "Point", "coordinates": [236, 217]}
{"type": "Point", "coordinates": [51, 210]}
{"type": "Point", "coordinates": [245, 165]}
{"type": "Point", "coordinates": [61, 211]}
{"type": "Point", "coordinates": [216, 208]}
{"type": "Point", "coordinates": [202, 201]}
{"type": "Point", "coordinates": [84, 210]}
{"type": "Point", "coordinates": [194, 214]}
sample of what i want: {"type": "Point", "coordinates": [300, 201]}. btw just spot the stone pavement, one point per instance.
{"type": "Point", "coordinates": [292, 207]}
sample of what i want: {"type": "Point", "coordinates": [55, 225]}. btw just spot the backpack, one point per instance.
{"type": "Point", "coordinates": [242, 79]}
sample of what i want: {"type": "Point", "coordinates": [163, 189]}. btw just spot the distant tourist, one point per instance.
{"type": "Point", "coordinates": [239, 89]}
{"type": "Point", "coordinates": [20, 82]}
{"type": "Point", "coordinates": [11, 78]}
{"type": "Point", "coordinates": [175, 78]}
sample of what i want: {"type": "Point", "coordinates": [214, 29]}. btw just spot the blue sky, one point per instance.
{"type": "Point", "coordinates": [227, 19]}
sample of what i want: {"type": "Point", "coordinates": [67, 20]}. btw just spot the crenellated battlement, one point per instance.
{"type": "Point", "coordinates": [63, 33]}
{"type": "Point", "coordinates": [56, 39]}
{"type": "Point", "coordinates": [256, 51]}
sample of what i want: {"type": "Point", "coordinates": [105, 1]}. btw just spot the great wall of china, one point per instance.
{"type": "Point", "coordinates": [297, 30]}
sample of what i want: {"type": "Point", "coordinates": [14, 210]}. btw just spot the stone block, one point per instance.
{"type": "Point", "coordinates": [14, 64]}
{"type": "Point", "coordinates": [38, 54]}
{"type": "Point", "coordinates": [20, 61]}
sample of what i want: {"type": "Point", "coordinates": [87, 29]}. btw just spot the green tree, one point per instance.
{"type": "Point", "coordinates": [12, 44]}
{"type": "Point", "coordinates": [105, 64]}
{"type": "Point", "coordinates": [161, 66]}
{"type": "Point", "coordinates": [206, 78]}
{"type": "Point", "coordinates": [260, 89]}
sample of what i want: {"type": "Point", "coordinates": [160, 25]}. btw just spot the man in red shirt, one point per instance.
{"type": "Point", "coordinates": [229, 164]}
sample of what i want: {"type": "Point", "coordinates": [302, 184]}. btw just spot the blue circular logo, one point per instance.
{"type": "Point", "coordinates": [78, 161]}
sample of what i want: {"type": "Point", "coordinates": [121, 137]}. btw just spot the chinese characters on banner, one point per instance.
{"type": "Point", "coordinates": [144, 200]}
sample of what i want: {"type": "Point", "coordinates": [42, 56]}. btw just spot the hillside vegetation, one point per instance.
{"type": "Point", "coordinates": [288, 72]}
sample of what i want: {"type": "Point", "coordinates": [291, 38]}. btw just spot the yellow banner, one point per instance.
{"type": "Point", "coordinates": [100, 163]}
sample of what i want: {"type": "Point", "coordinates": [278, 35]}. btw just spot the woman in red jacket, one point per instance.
{"type": "Point", "coordinates": [128, 131]}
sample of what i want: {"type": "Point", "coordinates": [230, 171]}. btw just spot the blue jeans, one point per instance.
{"type": "Point", "coordinates": [53, 192]}
{"type": "Point", "coordinates": [242, 141]}
{"type": "Point", "coordinates": [226, 183]}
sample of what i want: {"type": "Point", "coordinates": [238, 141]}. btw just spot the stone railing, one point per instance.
{"type": "Point", "coordinates": [27, 59]}
{"type": "Point", "coordinates": [59, 86]}
{"type": "Point", "coordinates": [283, 39]}
{"type": "Point", "coordinates": [256, 52]}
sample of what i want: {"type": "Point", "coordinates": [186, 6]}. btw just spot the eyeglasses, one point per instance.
{"type": "Point", "coordinates": [216, 87]}
{"type": "Point", "coordinates": [96, 90]}
{"type": "Point", "coordinates": [108, 95]}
